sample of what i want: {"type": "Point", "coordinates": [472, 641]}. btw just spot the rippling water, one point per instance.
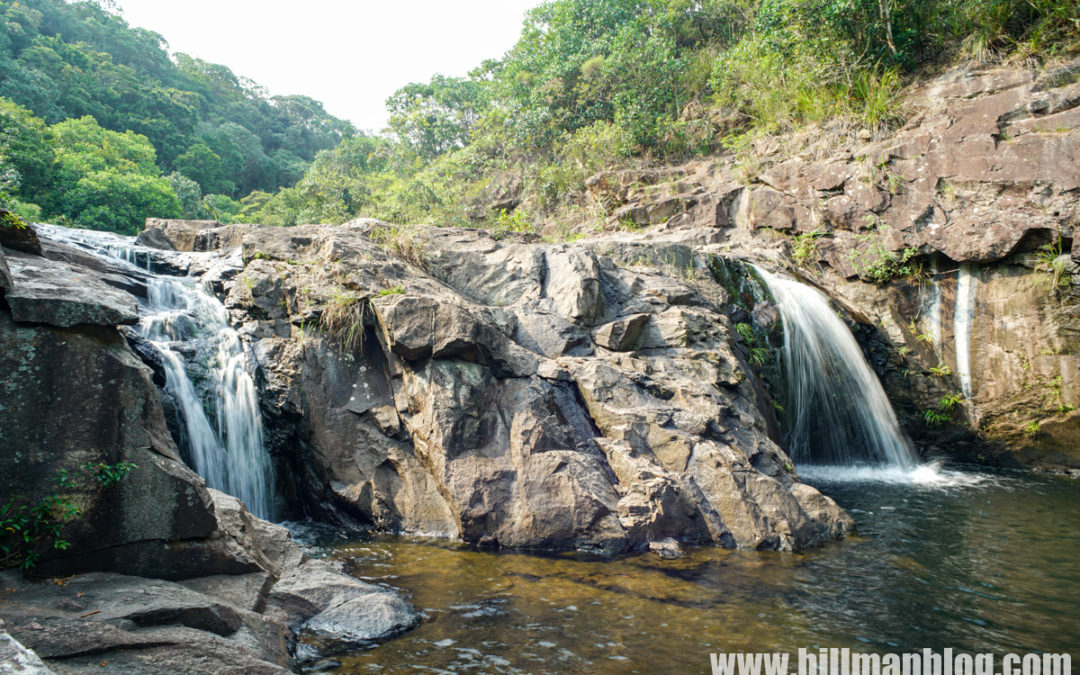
{"type": "Point", "coordinates": [977, 562]}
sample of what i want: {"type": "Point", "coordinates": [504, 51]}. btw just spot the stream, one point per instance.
{"type": "Point", "coordinates": [976, 561]}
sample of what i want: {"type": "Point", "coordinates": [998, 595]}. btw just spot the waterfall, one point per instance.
{"type": "Point", "coordinates": [226, 448]}
{"type": "Point", "coordinates": [836, 410]}
{"type": "Point", "coordinates": [205, 371]}
{"type": "Point", "coordinates": [934, 310]}
{"type": "Point", "coordinates": [967, 286]}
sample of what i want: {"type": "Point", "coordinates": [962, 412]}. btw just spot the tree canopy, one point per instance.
{"type": "Point", "coordinates": [590, 84]}
{"type": "Point", "coordinates": [78, 60]}
{"type": "Point", "coordinates": [594, 84]}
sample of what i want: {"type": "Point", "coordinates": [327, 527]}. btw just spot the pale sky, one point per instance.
{"type": "Point", "coordinates": [350, 55]}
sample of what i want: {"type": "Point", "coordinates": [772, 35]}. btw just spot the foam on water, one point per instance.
{"type": "Point", "coordinates": [930, 474]}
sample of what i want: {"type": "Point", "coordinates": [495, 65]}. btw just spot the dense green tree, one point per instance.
{"type": "Point", "coordinates": [107, 180]}
{"type": "Point", "coordinates": [204, 166]}
{"type": "Point", "coordinates": [26, 152]}
{"type": "Point", "coordinates": [438, 116]}
{"type": "Point", "coordinates": [188, 194]}
{"type": "Point", "coordinates": [591, 82]}
{"type": "Point", "coordinates": [120, 202]}
{"type": "Point", "coordinates": [222, 208]}
{"type": "Point", "coordinates": [64, 60]}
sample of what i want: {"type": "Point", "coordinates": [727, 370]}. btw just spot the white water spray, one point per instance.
{"type": "Point", "coordinates": [226, 448]}
{"type": "Point", "coordinates": [837, 411]}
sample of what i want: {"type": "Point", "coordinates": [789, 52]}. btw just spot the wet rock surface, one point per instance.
{"type": "Point", "coordinates": [983, 175]}
{"type": "Point", "coordinates": [526, 394]}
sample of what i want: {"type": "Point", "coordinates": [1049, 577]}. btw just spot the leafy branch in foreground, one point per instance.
{"type": "Point", "coordinates": [28, 528]}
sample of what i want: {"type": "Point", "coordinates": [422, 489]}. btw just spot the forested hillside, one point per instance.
{"type": "Point", "coordinates": [595, 84]}
{"type": "Point", "coordinates": [100, 128]}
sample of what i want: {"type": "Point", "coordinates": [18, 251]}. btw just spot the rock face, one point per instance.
{"type": "Point", "coordinates": [18, 237]}
{"type": "Point", "coordinates": [1021, 382]}
{"type": "Point", "coordinates": [74, 397]}
{"type": "Point", "coordinates": [17, 659]}
{"type": "Point", "coordinates": [180, 234]}
{"type": "Point", "coordinates": [152, 237]}
{"type": "Point", "coordinates": [59, 294]}
{"type": "Point", "coordinates": [139, 625]}
{"type": "Point", "coordinates": [515, 394]}
{"type": "Point", "coordinates": [984, 175]}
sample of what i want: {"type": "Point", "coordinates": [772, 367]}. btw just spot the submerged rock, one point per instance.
{"type": "Point", "coordinates": [667, 549]}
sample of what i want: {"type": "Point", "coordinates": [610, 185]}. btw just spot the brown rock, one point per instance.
{"type": "Point", "coordinates": [622, 334]}
{"type": "Point", "coordinates": [181, 233]}
{"type": "Point", "coordinates": [18, 238]}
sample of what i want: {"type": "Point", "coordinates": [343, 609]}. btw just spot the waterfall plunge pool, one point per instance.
{"type": "Point", "coordinates": [976, 561]}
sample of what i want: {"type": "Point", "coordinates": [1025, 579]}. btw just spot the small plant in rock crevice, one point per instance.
{"type": "Point", "coordinates": [950, 401]}
{"type": "Point", "coordinates": [343, 319]}
{"type": "Point", "coordinates": [30, 527]}
{"type": "Point", "coordinates": [936, 418]}
{"type": "Point", "coordinates": [393, 290]}
{"type": "Point", "coordinates": [1054, 265]}
{"type": "Point", "coordinates": [940, 370]}
{"type": "Point", "coordinates": [805, 248]}
{"type": "Point", "coordinates": [880, 264]}
{"type": "Point", "coordinates": [943, 414]}
{"type": "Point", "coordinates": [402, 242]}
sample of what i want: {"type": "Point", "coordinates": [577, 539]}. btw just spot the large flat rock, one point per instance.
{"type": "Point", "coordinates": [59, 294]}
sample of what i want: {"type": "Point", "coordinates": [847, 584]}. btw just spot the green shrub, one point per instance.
{"type": "Point", "coordinates": [29, 528]}
{"type": "Point", "coordinates": [805, 249]}
{"type": "Point", "coordinates": [935, 418]}
{"type": "Point", "coordinates": [1054, 265]}
{"type": "Point", "coordinates": [880, 264]}
{"type": "Point", "coordinates": [513, 221]}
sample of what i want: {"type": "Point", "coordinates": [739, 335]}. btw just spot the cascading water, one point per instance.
{"type": "Point", "coordinates": [228, 452]}
{"type": "Point", "coordinates": [967, 286]}
{"type": "Point", "coordinates": [837, 411]}
{"type": "Point", "coordinates": [205, 371]}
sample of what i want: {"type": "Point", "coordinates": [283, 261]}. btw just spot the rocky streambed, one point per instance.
{"type": "Point", "coordinates": [606, 395]}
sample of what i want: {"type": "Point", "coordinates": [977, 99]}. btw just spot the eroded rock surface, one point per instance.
{"type": "Point", "coordinates": [60, 294]}
{"type": "Point", "coordinates": [984, 175]}
{"type": "Point", "coordinates": [515, 394]}
{"type": "Point", "coordinates": [77, 396]}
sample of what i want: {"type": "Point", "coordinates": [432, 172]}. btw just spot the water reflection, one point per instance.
{"type": "Point", "coordinates": [987, 565]}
